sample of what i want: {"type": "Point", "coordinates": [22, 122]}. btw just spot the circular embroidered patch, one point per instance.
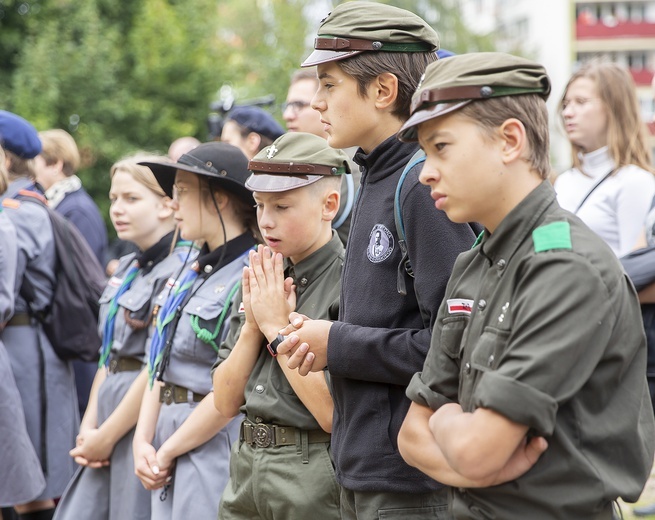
{"type": "Point", "coordinates": [380, 244]}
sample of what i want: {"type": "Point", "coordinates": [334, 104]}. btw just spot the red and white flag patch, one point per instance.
{"type": "Point", "coordinates": [459, 306]}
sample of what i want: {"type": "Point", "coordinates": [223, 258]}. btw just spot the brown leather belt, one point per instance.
{"type": "Point", "coordinates": [125, 364]}
{"type": "Point", "coordinates": [270, 435]}
{"type": "Point", "coordinates": [169, 394]}
{"type": "Point", "coordinates": [19, 319]}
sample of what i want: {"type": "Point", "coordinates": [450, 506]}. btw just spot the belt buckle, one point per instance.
{"type": "Point", "coordinates": [262, 435]}
{"type": "Point", "coordinates": [113, 365]}
{"type": "Point", "coordinates": [168, 395]}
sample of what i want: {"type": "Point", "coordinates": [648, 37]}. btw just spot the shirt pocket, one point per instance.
{"type": "Point", "coordinates": [199, 318]}
{"type": "Point", "coordinates": [488, 350]}
{"type": "Point", "coordinates": [451, 337]}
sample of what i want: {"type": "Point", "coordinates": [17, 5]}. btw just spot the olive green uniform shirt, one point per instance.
{"type": "Point", "coordinates": [269, 395]}
{"type": "Point", "coordinates": [541, 325]}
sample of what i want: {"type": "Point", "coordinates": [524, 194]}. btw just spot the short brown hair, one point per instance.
{"type": "Point", "coordinates": [626, 132]}
{"type": "Point", "coordinates": [304, 74]}
{"type": "Point", "coordinates": [19, 167]}
{"type": "Point", "coordinates": [244, 211]}
{"type": "Point", "coordinates": [530, 109]}
{"type": "Point", "coordinates": [59, 145]}
{"type": "Point", "coordinates": [408, 67]}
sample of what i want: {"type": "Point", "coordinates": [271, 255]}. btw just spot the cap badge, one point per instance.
{"type": "Point", "coordinates": [271, 152]}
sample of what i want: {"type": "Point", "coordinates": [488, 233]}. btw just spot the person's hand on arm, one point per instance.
{"type": "Point", "coordinates": [306, 343]}
{"type": "Point", "coordinates": [446, 462]}
{"type": "Point", "coordinates": [272, 299]}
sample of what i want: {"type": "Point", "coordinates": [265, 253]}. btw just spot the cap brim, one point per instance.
{"type": "Point", "coordinates": [409, 131]}
{"type": "Point", "coordinates": [164, 172]}
{"type": "Point", "coordinates": [265, 182]}
{"type": "Point", "coordinates": [318, 57]}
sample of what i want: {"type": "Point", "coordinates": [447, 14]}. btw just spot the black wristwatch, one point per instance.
{"type": "Point", "coordinates": [272, 346]}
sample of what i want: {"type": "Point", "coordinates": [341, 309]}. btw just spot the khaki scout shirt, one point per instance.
{"type": "Point", "coordinates": [269, 395]}
{"type": "Point", "coordinates": [541, 325]}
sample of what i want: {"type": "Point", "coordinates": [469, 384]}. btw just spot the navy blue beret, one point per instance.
{"type": "Point", "coordinates": [443, 53]}
{"type": "Point", "coordinates": [257, 120]}
{"type": "Point", "coordinates": [18, 136]}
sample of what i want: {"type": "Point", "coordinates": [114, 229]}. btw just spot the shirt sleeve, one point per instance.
{"type": "Point", "coordinates": [237, 319]}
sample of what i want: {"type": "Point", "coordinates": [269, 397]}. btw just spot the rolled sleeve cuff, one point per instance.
{"type": "Point", "coordinates": [517, 401]}
{"type": "Point", "coordinates": [422, 394]}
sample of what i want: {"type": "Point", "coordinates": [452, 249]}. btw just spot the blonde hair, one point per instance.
{"type": "Point", "coordinates": [626, 133]}
{"type": "Point", "coordinates": [59, 145]}
{"type": "Point", "coordinates": [4, 174]}
{"type": "Point", "coordinates": [141, 174]}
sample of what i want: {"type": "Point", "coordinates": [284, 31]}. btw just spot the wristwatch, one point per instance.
{"type": "Point", "coordinates": [272, 346]}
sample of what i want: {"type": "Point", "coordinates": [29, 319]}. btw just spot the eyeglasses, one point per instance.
{"type": "Point", "coordinates": [294, 106]}
{"type": "Point", "coordinates": [180, 191]}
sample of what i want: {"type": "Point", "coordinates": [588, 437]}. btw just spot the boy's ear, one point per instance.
{"type": "Point", "coordinates": [331, 205]}
{"type": "Point", "coordinates": [253, 141]}
{"type": "Point", "coordinates": [385, 90]}
{"type": "Point", "coordinates": [514, 140]}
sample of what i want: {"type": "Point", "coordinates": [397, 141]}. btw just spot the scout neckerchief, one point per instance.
{"type": "Point", "coordinates": [170, 313]}
{"type": "Point", "coordinates": [146, 261]}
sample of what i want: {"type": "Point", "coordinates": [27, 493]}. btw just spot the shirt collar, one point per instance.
{"type": "Point", "coordinates": [156, 253]}
{"type": "Point", "coordinates": [597, 163]}
{"type": "Point", "coordinates": [312, 267]}
{"type": "Point", "coordinates": [386, 158]}
{"type": "Point", "coordinates": [514, 228]}
{"type": "Point", "coordinates": [210, 261]}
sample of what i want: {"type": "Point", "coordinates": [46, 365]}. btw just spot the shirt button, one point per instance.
{"type": "Point", "coordinates": [259, 420]}
{"type": "Point", "coordinates": [259, 389]}
{"type": "Point", "coordinates": [303, 282]}
{"type": "Point", "coordinates": [501, 264]}
{"type": "Point", "coordinates": [482, 304]}
{"type": "Point", "coordinates": [490, 361]}
{"type": "Point", "coordinates": [467, 368]}
{"type": "Point", "coordinates": [208, 269]}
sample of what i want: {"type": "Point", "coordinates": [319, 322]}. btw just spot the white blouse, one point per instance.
{"type": "Point", "coordinates": [616, 209]}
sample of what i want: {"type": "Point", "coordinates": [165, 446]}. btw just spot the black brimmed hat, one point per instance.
{"type": "Point", "coordinates": [220, 161]}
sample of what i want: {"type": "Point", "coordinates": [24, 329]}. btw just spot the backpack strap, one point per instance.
{"type": "Point", "coordinates": [405, 266]}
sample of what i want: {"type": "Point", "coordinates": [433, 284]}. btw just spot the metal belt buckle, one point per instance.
{"type": "Point", "coordinates": [168, 395]}
{"type": "Point", "coordinates": [113, 365]}
{"type": "Point", "coordinates": [262, 435]}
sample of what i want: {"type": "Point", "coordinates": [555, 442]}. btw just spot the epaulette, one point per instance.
{"type": "Point", "coordinates": [11, 203]}
{"type": "Point", "coordinates": [556, 235]}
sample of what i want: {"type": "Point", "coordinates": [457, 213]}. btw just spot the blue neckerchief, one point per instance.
{"type": "Point", "coordinates": [110, 322]}
{"type": "Point", "coordinates": [165, 317]}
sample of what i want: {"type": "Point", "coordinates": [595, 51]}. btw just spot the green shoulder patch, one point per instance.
{"type": "Point", "coordinates": [552, 236]}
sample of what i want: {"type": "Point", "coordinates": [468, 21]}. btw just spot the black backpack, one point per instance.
{"type": "Point", "coordinates": [71, 320]}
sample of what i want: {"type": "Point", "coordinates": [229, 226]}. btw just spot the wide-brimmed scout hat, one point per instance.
{"type": "Point", "coordinates": [356, 27]}
{"type": "Point", "coordinates": [220, 161]}
{"type": "Point", "coordinates": [18, 136]}
{"type": "Point", "coordinates": [294, 160]}
{"type": "Point", "coordinates": [450, 84]}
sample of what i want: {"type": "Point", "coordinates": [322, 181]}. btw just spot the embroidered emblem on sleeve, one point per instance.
{"type": "Point", "coordinates": [380, 244]}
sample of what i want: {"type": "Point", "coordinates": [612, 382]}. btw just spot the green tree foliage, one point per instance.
{"type": "Point", "coordinates": [128, 76]}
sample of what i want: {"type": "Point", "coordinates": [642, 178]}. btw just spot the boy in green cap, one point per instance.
{"type": "Point", "coordinates": [281, 469]}
{"type": "Point", "coordinates": [537, 344]}
{"type": "Point", "coordinates": [369, 60]}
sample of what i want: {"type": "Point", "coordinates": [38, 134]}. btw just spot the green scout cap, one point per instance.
{"type": "Point", "coordinates": [355, 27]}
{"type": "Point", "coordinates": [294, 160]}
{"type": "Point", "coordinates": [448, 85]}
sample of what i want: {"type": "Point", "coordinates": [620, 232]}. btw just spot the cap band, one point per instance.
{"type": "Point", "coordinates": [335, 43]}
{"type": "Point", "coordinates": [295, 168]}
{"type": "Point", "coordinates": [451, 94]}
{"type": "Point", "coordinates": [189, 160]}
